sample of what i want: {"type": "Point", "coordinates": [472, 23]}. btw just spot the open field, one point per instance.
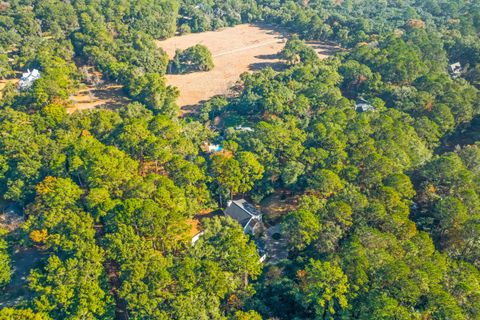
{"type": "Point", "coordinates": [108, 95]}
{"type": "Point", "coordinates": [235, 50]}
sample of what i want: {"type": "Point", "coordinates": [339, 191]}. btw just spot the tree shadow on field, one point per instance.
{"type": "Point", "coordinates": [275, 63]}
{"type": "Point", "coordinates": [281, 33]}
{"type": "Point", "coordinates": [323, 47]}
{"type": "Point", "coordinates": [268, 56]}
{"type": "Point", "coordinates": [277, 66]}
{"type": "Point", "coordinates": [114, 96]}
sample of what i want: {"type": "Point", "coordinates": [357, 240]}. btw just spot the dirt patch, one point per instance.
{"type": "Point", "coordinates": [276, 205]}
{"type": "Point", "coordinates": [104, 96]}
{"type": "Point", "coordinates": [11, 216]}
{"type": "Point", "coordinates": [195, 223]}
{"type": "Point", "coordinates": [3, 84]}
{"type": "Point", "coordinates": [235, 50]}
{"type": "Point", "coordinates": [324, 49]}
{"type": "Point", "coordinates": [23, 261]}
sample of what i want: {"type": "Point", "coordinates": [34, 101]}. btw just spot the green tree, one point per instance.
{"type": "Point", "coordinates": [144, 272]}
{"type": "Point", "coordinates": [5, 67]}
{"type": "Point", "coordinates": [70, 289]}
{"type": "Point", "coordinates": [225, 243]}
{"type": "Point", "coordinates": [196, 58]}
{"type": "Point", "coordinates": [297, 51]}
{"type": "Point", "coordinates": [24, 314]}
{"type": "Point", "coordinates": [323, 289]}
{"type": "Point", "coordinates": [326, 182]}
{"type": "Point", "coordinates": [5, 271]}
{"type": "Point", "coordinates": [249, 315]}
{"type": "Point", "coordinates": [302, 227]}
{"type": "Point", "coordinates": [251, 170]}
{"type": "Point", "coordinates": [227, 173]}
{"type": "Point", "coordinates": [152, 90]}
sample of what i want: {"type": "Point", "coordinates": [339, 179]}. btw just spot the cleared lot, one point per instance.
{"type": "Point", "coordinates": [104, 96]}
{"type": "Point", "coordinates": [235, 50]}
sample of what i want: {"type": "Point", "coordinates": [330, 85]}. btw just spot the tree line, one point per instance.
{"type": "Point", "coordinates": [385, 227]}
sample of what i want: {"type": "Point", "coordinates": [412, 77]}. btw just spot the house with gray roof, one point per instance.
{"type": "Point", "coordinates": [245, 213]}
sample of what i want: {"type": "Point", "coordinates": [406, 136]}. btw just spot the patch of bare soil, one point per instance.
{"type": "Point", "coordinates": [235, 50]}
{"type": "Point", "coordinates": [196, 222]}
{"type": "Point", "coordinates": [11, 217]}
{"type": "Point", "coordinates": [324, 49]}
{"type": "Point", "coordinates": [278, 204]}
{"type": "Point", "coordinates": [23, 261]}
{"type": "Point", "coordinates": [3, 84]}
{"type": "Point", "coordinates": [103, 96]}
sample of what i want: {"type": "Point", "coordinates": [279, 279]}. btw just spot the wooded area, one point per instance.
{"type": "Point", "coordinates": [97, 205]}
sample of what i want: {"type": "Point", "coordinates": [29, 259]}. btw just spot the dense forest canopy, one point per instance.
{"type": "Point", "coordinates": [386, 223]}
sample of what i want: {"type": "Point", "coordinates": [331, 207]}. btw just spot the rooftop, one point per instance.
{"type": "Point", "coordinates": [242, 211]}
{"type": "Point", "coordinates": [363, 106]}
{"type": "Point", "coordinates": [245, 205]}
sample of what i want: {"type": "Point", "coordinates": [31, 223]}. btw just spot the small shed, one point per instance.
{"type": "Point", "coordinates": [196, 237]}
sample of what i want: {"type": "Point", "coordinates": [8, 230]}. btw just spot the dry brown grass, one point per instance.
{"type": "Point", "coordinates": [108, 96]}
{"type": "Point", "coordinates": [235, 50]}
{"type": "Point", "coordinates": [196, 222]}
{"type": "Point", "coordinates": [278, 204]}
{"type": "Point", "coordinates": [3, 84]}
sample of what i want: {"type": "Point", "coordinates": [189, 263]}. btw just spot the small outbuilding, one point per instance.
{"type": "Point", "coordinates": [196, 237]}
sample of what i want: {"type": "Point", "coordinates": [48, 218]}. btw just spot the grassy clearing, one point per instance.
{"type": "Point", "coordinates": [235, 50]}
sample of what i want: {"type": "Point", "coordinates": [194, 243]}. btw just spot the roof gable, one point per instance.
{"type": "Point", "coordinates": [237, 213]}
{"type": "Point", "coordinates": [242, 211]}
{"type": "Point", "coordinates": [246, 206]}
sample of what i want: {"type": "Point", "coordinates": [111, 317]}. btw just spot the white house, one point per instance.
{"type": "Point", "coordinates": [28, 78]}
{"type": "Point", "coordinates": [244, 129]}
{"type": "Point", "coordinates": [363, 106]}
{"type": "Point", "coordinates": [455, 70]}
